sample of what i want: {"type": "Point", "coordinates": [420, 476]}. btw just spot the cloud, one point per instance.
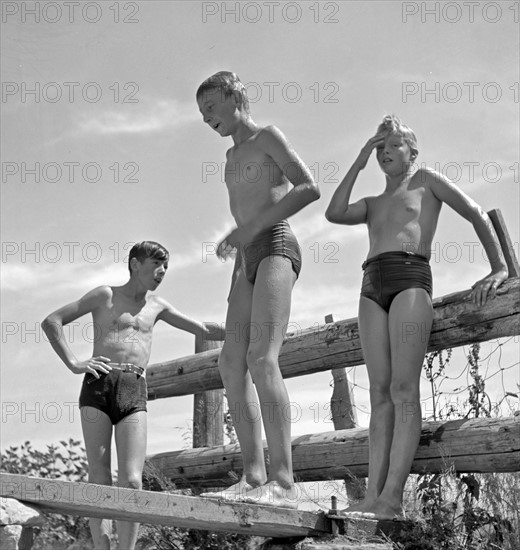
{"type": "Point", "coordinates": [162, 115]}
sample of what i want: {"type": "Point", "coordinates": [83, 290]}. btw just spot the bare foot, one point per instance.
{"type": "Point", "coordinates": [381, 511]}
{"type": "Point", "coordinates": [273, 494]}
{"type": "Point", "coordinates": [357, 509]}
{"type": "Point", "coordinates": [234, 492]}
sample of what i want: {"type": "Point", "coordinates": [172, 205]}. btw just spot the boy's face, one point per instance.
{"type": "Point", "coordinates": [394, 155]}
{"type": "Point", "coordinates": [150, 272]}
{"type": "Point", "coordinates": [218, 111]}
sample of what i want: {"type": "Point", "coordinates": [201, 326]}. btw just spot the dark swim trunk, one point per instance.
{"type": "Point", "coordinates": [118, 394]}
{"type": "Point", "coordinates": [389, 273]}
{"type": "Point", "coordinates": [277, 241]}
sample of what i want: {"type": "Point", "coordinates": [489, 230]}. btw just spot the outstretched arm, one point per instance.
{"type": "Point", "coordinates": [53, 327]}
{"type": "Point", "coordinates": [206, 331]}
{"type": "Point", "coordinates": [449, 193]}
{"type": "Point", "coordinates": [339, 209]}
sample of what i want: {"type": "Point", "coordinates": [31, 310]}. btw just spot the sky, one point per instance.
{"type": "Point", "coordinates": [103, 146]}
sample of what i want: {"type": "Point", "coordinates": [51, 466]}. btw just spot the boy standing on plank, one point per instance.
{"type": "Point", "coordinates": [113, 394]}
{"type": "Point", "coordinates": [396, 294]}
{"type": "Point", "coordinates": [260, 169]}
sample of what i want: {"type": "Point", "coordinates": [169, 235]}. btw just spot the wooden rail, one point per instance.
{"type": "Point", "coordinates": [469, 445]}
{"type": "Point", "coordinates": [457, 322]}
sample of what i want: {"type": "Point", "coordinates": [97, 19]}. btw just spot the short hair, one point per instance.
{"type": "Point", "coordinates": [229, 84]}
{"type": "Point", "coordinates": [392, 124]}
{"type": "Point", "coordinates": [147, 249]}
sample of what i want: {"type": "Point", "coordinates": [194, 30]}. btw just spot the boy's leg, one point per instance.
{"type": "Point", "coordinates": [375, 341]}
{"type": "Point", "coordinates": [410, 320]}
{"type": "Point", "coordinates": [269, 319]}
{"type": "Point", "coordinates": [240, 391]}
{"type": "Point", "coordinates": [130, 436]}
{"type": "Point", "coordinates": [97, 433]}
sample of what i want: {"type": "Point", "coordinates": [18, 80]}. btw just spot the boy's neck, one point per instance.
{"type": "Point", "coordinates": [394, 182]}
{"type": "Point", "coordinates": [134, 290]}
{"type": "Point", "coordinates": [245, 129]}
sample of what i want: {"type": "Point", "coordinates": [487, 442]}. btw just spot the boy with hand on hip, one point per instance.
{"type": "Point", "coordinates": [397, 291]}
{"type": "Point", "coordinates": [113, 394]}
{"type": "Point", "coordinates": [261, 167]}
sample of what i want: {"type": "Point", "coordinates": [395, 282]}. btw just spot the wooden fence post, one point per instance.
{"type": "Point", "coordinates": [208, 415]}
{"type": "Point", "coordinates": [344, 417]}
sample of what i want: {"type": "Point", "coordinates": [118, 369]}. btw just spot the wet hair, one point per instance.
{"type": "Point", "coordinates": [392, 125]}
{"type": "Point", "coordinates": [229, 84]}
{"type": "Point", "coordinates": [147, 249]}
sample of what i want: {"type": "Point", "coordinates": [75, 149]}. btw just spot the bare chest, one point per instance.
{"type": "Point", "coordinates": [248, 167]}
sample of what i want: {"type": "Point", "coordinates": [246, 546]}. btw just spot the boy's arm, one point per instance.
{"type": "Point", "coordinates": [206, 331]}
{"type": "Point", "coordinates": [449, 193]}
{"type": "Point", "coordinates": [305, 190]}
{"type": "Point", "coordinates": [53, 325]}
{"type": "Point", "coordinates": [339, 209]}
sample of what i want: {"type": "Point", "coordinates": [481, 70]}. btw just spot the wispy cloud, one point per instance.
{"type": "Point", "coordinates": [163, 114]}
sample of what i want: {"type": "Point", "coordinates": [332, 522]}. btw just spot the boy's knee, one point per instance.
{"type": "Point", "coordinates": [133, 481]}
{"type": "Point", "coordinates": [259, 361]}
{"type": "Point", "coordinates": [379, 394]}
{"type": "Point", "coordinates": [227, 361]}
{"type": "Point", "coordinates": [404, 391]}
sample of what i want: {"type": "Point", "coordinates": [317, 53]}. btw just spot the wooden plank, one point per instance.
{"type": "Point", "coordinates": [327, 543]}
{"type": "Point", "coordinates": [470, 445]}
{"type": "Point", "coordinates": [457, 322]}
{"type": "Point", "coordinates": [90, 500]}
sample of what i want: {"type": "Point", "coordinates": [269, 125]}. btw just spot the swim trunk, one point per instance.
{"type": "Point", "coordinates": [389, 273]}
{"type": "Point", "coordinates": [277, 241]}
{"type": "Point", "coordinates": [118, 394]}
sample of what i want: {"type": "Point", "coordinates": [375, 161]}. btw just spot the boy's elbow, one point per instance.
{"type": "Point", "coordinates": [331, 215]}
{"type": "Point", "coordinates": [49, 323]}
{"type": "Point", "coordinates": [313, 192]}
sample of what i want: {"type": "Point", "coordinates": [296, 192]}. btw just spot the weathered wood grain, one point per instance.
{"type": "Point", "coordinates": [90, 500]}
{"type": "Point", "coordinates": [468, 445]}
{"type": "Point", "coordinates": [457, 322]}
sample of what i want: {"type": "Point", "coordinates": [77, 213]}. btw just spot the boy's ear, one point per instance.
{"type": "Point", "coordinates": [237, 98]}
{"type": "Point", "coordinates": [134, 262]}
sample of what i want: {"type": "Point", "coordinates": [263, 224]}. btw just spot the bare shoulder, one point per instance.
{"type": "Point", "coordinates": [100, 294]}
{"type": "Point", "coordinates": [271, 136]}
{"type": "Point", "coordinates": [430, 177]}
{"type": "Point", "coordinates": [160, 303]}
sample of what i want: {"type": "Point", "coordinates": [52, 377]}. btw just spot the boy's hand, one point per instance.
{"type": "Point", "coordinates": [214, 331]}
{"type": "Point", "coordinates": [365, 153]}
{"type": "Point", "coordinates": [94, 366]}
{"type": "Point", "coordinates": [487, 287]}
{"type": "Point", "coordinates": [237, 238]}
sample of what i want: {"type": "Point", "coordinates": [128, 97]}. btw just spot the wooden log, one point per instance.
{"type": "Point", "coordinates": [344, 417]}
{"type": "Point", "coordinates": [457, 322]}
{"type": "Point", "coordinates": [208, 409]}
{"type": "Point", "coordinates": [469, 445]}
{"type": "Point", "coordinates": [101, 501]}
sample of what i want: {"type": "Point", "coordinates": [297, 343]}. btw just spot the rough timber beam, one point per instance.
{"type": "Point", "coordinates": [457, 322]}
{"type": "Point", "coordinates": [90, 500]}
{"type": "Point", "coordinates": [467, 445]}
